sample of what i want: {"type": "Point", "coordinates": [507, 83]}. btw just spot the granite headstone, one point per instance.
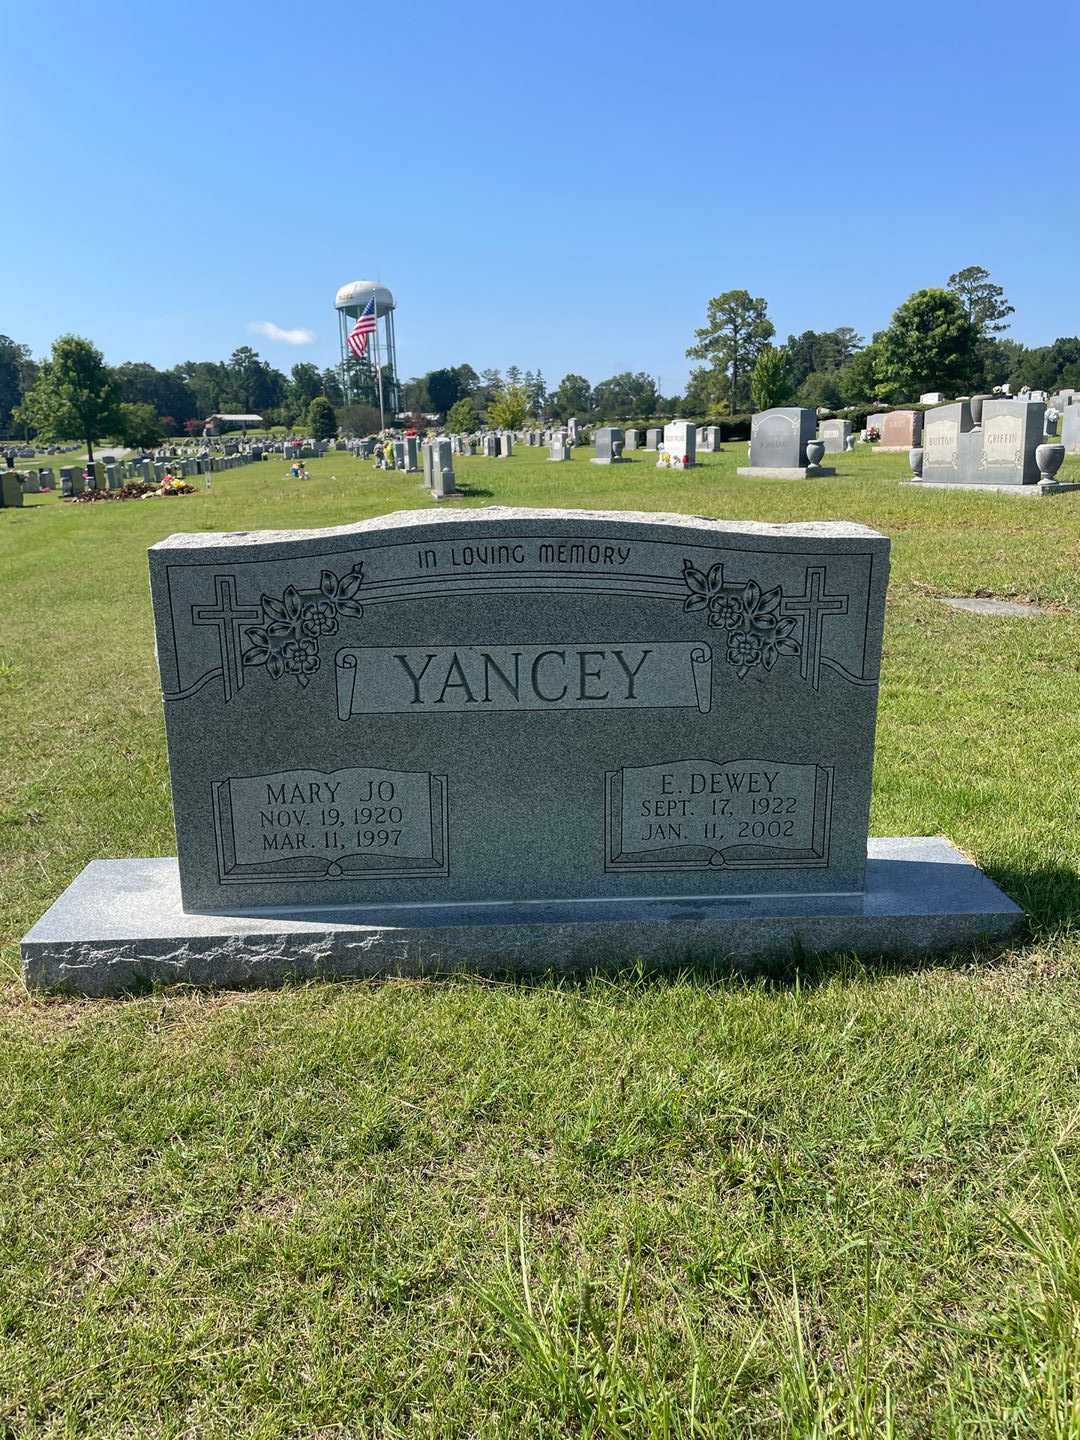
{"type": "Point", "coordinates": [513, 738]}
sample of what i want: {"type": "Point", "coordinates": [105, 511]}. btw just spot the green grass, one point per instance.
{"type": "Point", "coordinates": [841, 1203]}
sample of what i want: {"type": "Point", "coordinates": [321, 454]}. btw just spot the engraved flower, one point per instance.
{"type": "Point", "coordinates": [301, 658]}
{"type": "Point", "coordinates": [319, 617]}
{"type": "Point", "coordinates": [703, 585]}
{"type": "Point", "coordinates": [341, 590]}
{"type": "Point", "coordinates": [725, 610]}
{"type": "Point", "coordinates": [743, 650]}
{"type": "Point", "coordinates": [777, 641]}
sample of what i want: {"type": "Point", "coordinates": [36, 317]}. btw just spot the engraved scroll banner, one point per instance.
{"type": "Point", "coordinates": [693, 814]}
{"type": "Point", "coordinates": [607, 675]}
{"type": "Point", "coordinates": [330, 824]}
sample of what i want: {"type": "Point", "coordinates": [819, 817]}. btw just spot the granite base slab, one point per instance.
{"type": "Point", "coordinates": [779, 472]}
{"type": "Point", "coordinates": [119, 927]}
{"type": "Point", "coordinates": [1030, 492]}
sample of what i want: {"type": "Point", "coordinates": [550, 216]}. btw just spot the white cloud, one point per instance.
{"type": "Point", "coordinates": [275, 332]}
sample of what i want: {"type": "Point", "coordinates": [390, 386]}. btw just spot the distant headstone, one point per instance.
{"type": "Point", "coordinates": [945, 432]}
{"type": "Point", "coordinates": [559, 447]}
{"type": "Point", "coordinates": [442, 469]}
{"type": "Point", "coordinates": [410, 454]}
{"type": "Point", "coordinates": [834, 434]}
{"type": "Point", "coordinates": [901, 430]}
{"type": "Point", "coordinates": [653, 438]}
{"type": "Point", "coordinates": [932, 397]}
{"type": "Point", "coordinates": [1001, 454]}
{"type": "Point", "coordinates": [778, 444]}
{"type": "Point", "coordinates": [609, 441]}
{"type": "Point", "coordinates": [489, 446]}
{"type": "Point", "coordinates": [11, 490]}
{"type": "Point", "coordinates": [427, 462]}
{"type": "Point", "coordinates": [632, 439]}
{"type": "Point", "coordinates": [1070, 429]}
{"type": "Point", "coordinates": [678, 449]}
{"type": "Point", "coordinates": [708, 439]}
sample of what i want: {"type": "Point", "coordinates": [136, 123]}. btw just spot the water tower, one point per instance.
{"type": "Point", "coordinates": [350, 302]}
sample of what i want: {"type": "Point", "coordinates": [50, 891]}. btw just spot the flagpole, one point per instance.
{"type": "Point", "coordinates": [378, 365]}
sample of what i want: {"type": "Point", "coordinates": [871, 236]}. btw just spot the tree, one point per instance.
{"type": "Point", "coordinates": [930, 345]}
{"type": "Point", "coordinates": [1048, 367]}
{"type": "Point", "coordinates": [536, 390]}
{"type": "Point", "coordinates": [735, 330]}
{"type": "Point", "coordinates": [167, 392]}
{"type": "Point", "coordinates": [513, 376]}
{"type": "Point", "coordinates": [707, 393]}
{"type": "Point", "coordinates": [443, 389]}
{"type": "Point", "coordinates": [508, 410]}
{"type": "Point", "coordinates": [859, 382]}
{"type": "Point", "coordinates": [17, 372]}
{"type": "Point", "coordinates": [320, 419]}
{"type": "Point", "coordinates": [573, 397]}
{"type": "Point", "coordinates": [629, 394]}
{"type": "Point", "coordinates": [468, 380]}
{"type": "Point", "coordinates": [414, 395]}
{"type": "Point", "coordinates": [769, 381]}
{"type": "Point", "coordinates": [74, 396]}
{"type": "Point", "coordinates": [848, 344]}
{"type": "Point", "coordinates": [461, 418]}
{"type": "Point", "coordinates": [251, 384]}
{"type": "Point", "coordinates": [491, 381]}
{"type": "Point", "coordinates": [205, 381]}
{"type": "Point", "coordinates": [820, 389]}
{"type": "Point", "coordinates": [821, 350]}
{"type": "Point", "coordinates": [330, 384]}
{"type": "Point", "coordinates": [358, 419]}
{"type": "Point", "coordinates": [304, 384]}
{"type": "Point", "coordinates": [985, 302]}
{"type": "Point", "coordinates": [138, 426]}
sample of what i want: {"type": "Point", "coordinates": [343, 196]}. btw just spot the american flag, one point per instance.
{"type": "Point", "coordinates": [363, 330]}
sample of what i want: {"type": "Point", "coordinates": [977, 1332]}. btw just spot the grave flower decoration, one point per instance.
{"type": "Point", "coordinates": [287, 640]}
{"type": "Point", "coordinates": [758, 633]}
{"type": "Point", "coordinates": [872, 433]}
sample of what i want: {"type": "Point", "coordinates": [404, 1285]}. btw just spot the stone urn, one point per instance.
{"type": "Point", "coordinates": [915, 459]}
{"type": "Point", "coordinates": [1049, 459]}
{"type": "Point", "coordinates": [815, 449]}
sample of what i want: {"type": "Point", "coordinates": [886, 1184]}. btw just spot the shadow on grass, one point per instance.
{"type": "Point", "coordinates": [1050, 894]}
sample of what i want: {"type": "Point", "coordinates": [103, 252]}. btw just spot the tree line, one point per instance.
{"type": "Point", "coordinates": [947, 338]}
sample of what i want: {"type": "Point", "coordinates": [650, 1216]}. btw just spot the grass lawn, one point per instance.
{"type": "Point", "coordinates": [844, 1202]}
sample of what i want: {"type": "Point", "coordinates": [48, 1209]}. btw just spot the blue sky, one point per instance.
{"type": "Point", "coordinates": [560, 187]}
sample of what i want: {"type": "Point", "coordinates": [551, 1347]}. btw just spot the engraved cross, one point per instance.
{"type": "Point", "coordinates": [228, 617]}
{"type": "Point", "coordinates": [813, 606]}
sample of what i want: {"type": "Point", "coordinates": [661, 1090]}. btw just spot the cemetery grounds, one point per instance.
{"type": "Point", "coordinates": [842, 1199]}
